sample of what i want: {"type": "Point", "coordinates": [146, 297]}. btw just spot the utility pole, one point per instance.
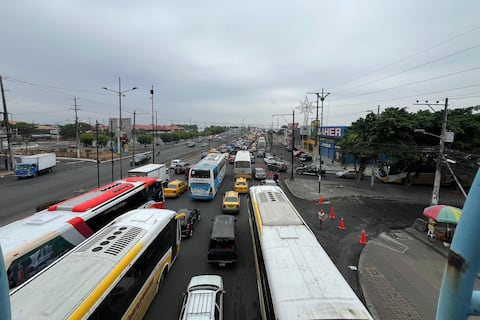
{"type": "Point", "coordinates": [7, 129]}
{"type": "Point", "coordinates": [318, 136]}
{"type": "Point", "coordinates": [98, 161]}
{"type": "Point", "coordinates": [293, 142]}
{"type": "Point", "coordinates": [111, 142]}
{"type": "Point", "coordinates": [374, 164]}
{"type": "Point", "coordinates": [441, 146]}
{"type": "Point", "coordinates": [133, 146]}
{"type": "Point", "coordinates": [77, 138]}
{"type": "Point", "coordinates": [153, 130]}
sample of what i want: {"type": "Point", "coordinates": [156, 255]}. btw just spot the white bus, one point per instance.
{"type": "Point", "coordinates": [242, 167]}
{"type": "Point", "coordinates": [32, 243]}
{"type": "Point", "coordinates": [295, 276]}
{"type": "Point", "coordinates": [115, 274]}
{"type": "Point", "coordinates": [206, 176]}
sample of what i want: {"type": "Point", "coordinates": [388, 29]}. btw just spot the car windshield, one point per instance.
{"type": "Point", "coordinates": [172, 186]}
{"type": "Point", "coordinates": [231, 199]}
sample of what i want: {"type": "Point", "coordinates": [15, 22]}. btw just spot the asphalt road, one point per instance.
{"type": "Point", "coordinates": [20, 197]}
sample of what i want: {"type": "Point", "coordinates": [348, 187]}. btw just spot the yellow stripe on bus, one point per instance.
{"type": "Point", "coordinates": [93, 298]}
{"type": "Point", "coordinates": [258, 218]}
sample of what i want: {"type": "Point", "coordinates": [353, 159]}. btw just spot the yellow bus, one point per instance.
{"type": "Point", "coordinates": [115, 274]}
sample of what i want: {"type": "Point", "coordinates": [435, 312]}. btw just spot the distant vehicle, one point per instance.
{"type": "Point", "coordinates": [207, 176]}
{"type": "Point", "coordinates": [277, 166]}
{"type": "Point", "coordinates": [189, 222]}
{"type": "Point", "coordinates": [241, 185]}
{"type": "Point", "coordinates": [120, 269]}
{"type": "Point", "coordinates": [269, 182]}
{"type": "Point", "coordinates": [231, 202]}
{"type": "Point", "coordinates": [175, 188]}
{"type": "Point", "coordinates": [269, 159]}
{"type": "Point", "coordinates": [30, 166]}
{"type": "Point", "coordinates": [242, 167]}
{"type": "Point", "coordinates": [222, 248]}
{"type": "Point", "coordinates": [154, 170]}
{"type": "Point", "coordinates": [305, 158]}
{"type": "Point", "coordinates": [174, 162]}
{"type": "Point", "coordinates": [141, 158]}
{"type": "Point", "coordinates": [259, 173]}
{"type": "Point", "coordinates": [309, 169]}
{"type": "Point", "coordinates": [204, 144]}
{"type": "Point", "coordinates": [181, 167]}
{"type": "Point", "coordinates": [348, 174]}
{"type": "Point", "coordinates": [191, 144]}
{"type": "Point", "coordinates": [231, 159]}
{"type": "Point", "coordinates": [260, 154]}
{"type": "Point", "coordinates": [203, 298]}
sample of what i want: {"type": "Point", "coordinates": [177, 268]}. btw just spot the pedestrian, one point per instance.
{"type": "Point", "coordinates": [321, 218]}
{"type": "Point", "coordinates": [275, 177]}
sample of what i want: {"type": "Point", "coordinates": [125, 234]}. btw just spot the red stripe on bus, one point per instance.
{"type": "Point", "coordinates": [80, 225]}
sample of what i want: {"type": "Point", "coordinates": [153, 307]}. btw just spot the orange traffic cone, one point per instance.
{"type": "Point", "coordinates": [320, 201]}
{"type": "Point", "coordinates": [363, 238]}
{"type": "Point", "coordinates": [332, 213]}
{"type": "Point", "coordinates": [341, 226]}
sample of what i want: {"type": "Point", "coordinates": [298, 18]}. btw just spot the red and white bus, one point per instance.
{"type": "Point", "coordinates": [32, 243]}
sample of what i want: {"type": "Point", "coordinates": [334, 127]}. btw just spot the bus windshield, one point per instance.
{"type": "Point", "coordinates": [200, 173]}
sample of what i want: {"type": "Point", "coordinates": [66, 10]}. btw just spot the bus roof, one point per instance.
{"type": "Point", "coordinates": [17, 236]}
{"type": "Point", "coordinates": [94, 265]}
{"type": "Point", "coordinates": [100, 195]}
{"type": "Point", "coordinates": [147, 168]}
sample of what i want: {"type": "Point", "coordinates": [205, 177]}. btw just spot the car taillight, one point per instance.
{"type": "Point", "coordinates": [188, 226]}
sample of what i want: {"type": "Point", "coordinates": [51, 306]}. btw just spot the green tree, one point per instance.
{"type": "Point", "coordinates": [86, 138]}
{"type": "Point", "coordinates": [145, 139]}
{"type": "Point", "coordinates": [389, 134]}
{"type": "Point", "coordinates": [103, 139]}
{"type": "Point", "coordinates": [24, 128]}
{"type": "Point", "coordinates": [68, 131]}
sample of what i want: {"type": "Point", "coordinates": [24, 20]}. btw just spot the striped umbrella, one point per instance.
{"type": "Point", "coordinates": [443, 213]}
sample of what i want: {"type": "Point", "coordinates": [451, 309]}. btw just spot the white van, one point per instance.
{"type": "Point", "coordinates": [203, 298]}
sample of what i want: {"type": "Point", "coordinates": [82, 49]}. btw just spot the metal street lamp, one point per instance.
{"type": "Point", "coordinates": [318, 137]}
{"type": "Point", "coordinates": [120, 94]}
{"type": "Point", "coordinates": [441, 146]}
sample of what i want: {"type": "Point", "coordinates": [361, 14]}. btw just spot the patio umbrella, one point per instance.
{"type": "Point", "coordinates": [443, 213]}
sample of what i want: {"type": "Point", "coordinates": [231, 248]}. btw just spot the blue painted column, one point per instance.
{"type": "Point", "coordinates": [457, 299]}
{"type": "Point", "coordinates": [5, 312]}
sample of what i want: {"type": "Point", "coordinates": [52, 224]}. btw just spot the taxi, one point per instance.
{"type": "Point", "coordinates": [241, 185]}
{"type": "Point", "coordinates": [231, 202]}
{"type": "Point", "coordinates": [175, 188]}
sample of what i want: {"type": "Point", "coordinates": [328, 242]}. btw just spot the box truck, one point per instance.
{"type": "Point", "coordinates": [155, 170]}
{"type": "Point", "coordinates": [30, 166]}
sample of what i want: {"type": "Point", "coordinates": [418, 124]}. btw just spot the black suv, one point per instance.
{"type": "Point", "coordinates": [222, 249]}
{"type": "Point", "coordinates": [188, 224]}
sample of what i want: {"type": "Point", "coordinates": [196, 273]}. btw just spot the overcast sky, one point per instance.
{"type": "Point", "coordinates": [235, 62]}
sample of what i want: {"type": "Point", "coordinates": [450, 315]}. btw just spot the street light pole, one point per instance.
{"type": "Point", "coordinates": [120, 93]}
{"type": "Point", "coordinates": [293, 142]}
{"type": "Point", "coordinates": [438, 170]}
{"type": "Point", "coordinates": [318, 137]}
{"type": "Point", "coordinates": [153, 130]}
{"type": "Point", "coordinates": [441, 146]}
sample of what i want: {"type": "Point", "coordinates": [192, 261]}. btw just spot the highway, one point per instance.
{"type": "Point", "coordinates": [20, 197]}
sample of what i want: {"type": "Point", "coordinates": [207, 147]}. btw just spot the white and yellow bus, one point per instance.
{"type": "Point", "coordinates": [296, 278]}
{"type": "Point", "coordinates": [115, 274]}
{"type": "Point", "coordinates": [32, 243]}
{"type": "Point", "coordinates": [242, 167]}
